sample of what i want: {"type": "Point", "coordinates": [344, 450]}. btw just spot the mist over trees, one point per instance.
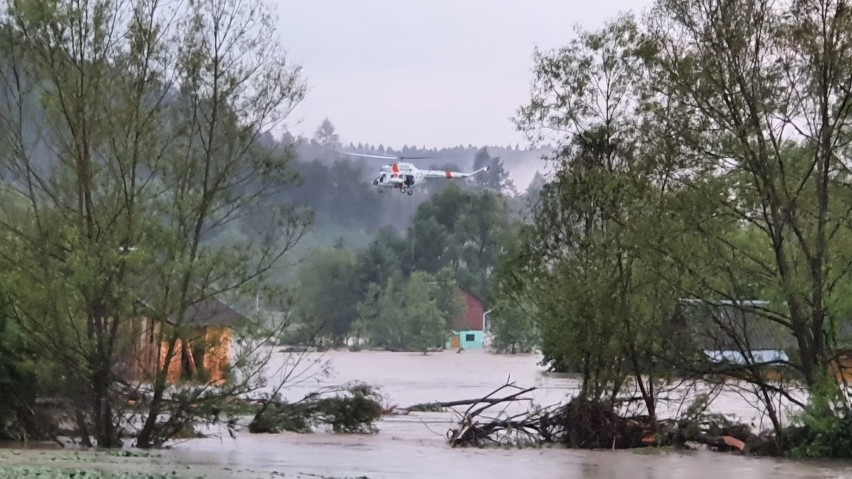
{"type": "Point", "coordinates": [337, 187]}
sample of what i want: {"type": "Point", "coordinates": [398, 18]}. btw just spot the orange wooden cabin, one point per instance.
{"type": "Point", "coordinates": [202, 354]}
{"type": "Point", "coordinates": [841, 367]}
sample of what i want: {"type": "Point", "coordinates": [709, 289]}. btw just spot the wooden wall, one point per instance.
{"type": "Point", "coordinates": [146, 353]}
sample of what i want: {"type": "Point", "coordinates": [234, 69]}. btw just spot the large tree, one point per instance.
{"type": "Point", "coordinates": [328, 292]}
{"type": "Point", "coordinates": [702, 158]}
{"type": "Point", "coordinates": [580, 264]}
{"type": "Point", "coordinates": [410, 314]}
{"type": "Point", "coordinates": [462, 230]}
{"type": "Point", "coordinates": [756, 97]}
{"type": "Point", "coordinates": [496, 178]}
{"type": "Point", "coordinates": [131, 134]}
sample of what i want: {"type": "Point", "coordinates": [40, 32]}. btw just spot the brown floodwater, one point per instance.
{"type": "Point", "coordinates": [414, 446]}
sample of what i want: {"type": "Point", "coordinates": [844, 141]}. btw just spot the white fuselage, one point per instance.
{"type": "Point", "coordinates": [405, 176]}
{"type": "Point", "coordinates": [399, 175]}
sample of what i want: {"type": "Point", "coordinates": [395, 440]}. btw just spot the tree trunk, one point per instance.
{"type": "Point", "coordinates": [770, 411]}
{"type": "Point", "coordinates": [83, 428]}
{"type": "Point", "coordinates": [146, 435]}
{"type": "Point", "coordinates": [105, 431]}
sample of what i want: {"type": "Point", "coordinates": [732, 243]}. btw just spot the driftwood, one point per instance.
{"type": "Point", "coordinates": [353, 408]}
{"type": "Point", "coordinates": [584, 424]}
{"type": "Point", "coordinates": [579, 424]}
{"type": "Point", "coordinates": [441, 405]}
{"type": "Point", "coordinates": [477, 430]}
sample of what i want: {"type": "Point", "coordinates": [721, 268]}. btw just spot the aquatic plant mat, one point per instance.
{"type": "Point", "coordinates": [126, 464]}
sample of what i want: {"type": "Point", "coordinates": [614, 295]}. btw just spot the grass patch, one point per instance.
{"type": "Point", "coordinates": [63, 473]}
{"type": "Point", "coordinates": [653, 451]}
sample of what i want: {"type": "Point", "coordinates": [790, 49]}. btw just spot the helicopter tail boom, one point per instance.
{"type": "Point", "coordinates": [452, 174]}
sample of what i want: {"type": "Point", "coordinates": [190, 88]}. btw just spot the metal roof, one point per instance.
{"type": "Point", "coordinates": [734, 326]}
{"type": "Point", "coordinates": [211, 312]}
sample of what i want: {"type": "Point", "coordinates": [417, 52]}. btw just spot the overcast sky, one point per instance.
{"type": "Point", "coordinates": [425, 72]}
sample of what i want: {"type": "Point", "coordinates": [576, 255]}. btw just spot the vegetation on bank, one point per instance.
{"type": "Point", "coordinates": [113, 210]}
{"type": "Point", "coordinates": [699, 204]}
{"type": "Point", "coordinates": [61, 473]}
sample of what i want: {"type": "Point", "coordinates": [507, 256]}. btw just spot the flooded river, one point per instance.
{"type": "Point", "coordinates": [414, 446]}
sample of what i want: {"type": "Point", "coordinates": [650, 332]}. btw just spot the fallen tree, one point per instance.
{"type": "Point", "coordinates": [585, 424]}
{"type": "Point", "coordinates": [442, 405]}
{"type": "Point", "coordinates": [351, 409]}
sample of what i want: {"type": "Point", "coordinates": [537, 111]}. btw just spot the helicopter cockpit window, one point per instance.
{"type": "Point", "coordinates": [382, 178]}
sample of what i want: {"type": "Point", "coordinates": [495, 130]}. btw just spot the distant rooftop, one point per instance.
{"type": "Point", "coordinates": [211, 312]}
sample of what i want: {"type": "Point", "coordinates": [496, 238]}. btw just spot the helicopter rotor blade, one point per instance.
{"type": "Point", "coordinates": [385, 157]}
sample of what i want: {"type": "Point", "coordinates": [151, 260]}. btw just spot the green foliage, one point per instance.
{"type": "Point", "coordinates": [824, 435]}
{"type": "Point", "coordinates": [328, 291]}
{"type": "Point", "coordinates": [514, 328]}
{"type": "Point", "coordinates": [446, 293]}
{"type": "Point", "coordinates": [581, 266]}
{"type": "Point", "coordinates": [514, 316]}
{"type": "Point", "coordinates": [17, 383]}
{"type": "Point", "coordinates": [496, 178]}
{"type": "Point", "coordinates": [462, 230]}
{"type": "Point", "coordinates": [455, 239]}
{"type": "Point", "coordinates": [427, 324]}
{"type": "Point", "coordinates": [387, 255]}
{"type": "Point", "coordinates": [131, 146]}
{"type": "Point", "coordinates": [701, 158]}
{"type": "Point", "coordinates": [823, 429]}
{"type": "Point", "coordinates": [355, 409]}
{"type": "Point", "coordinates": [410, 314]}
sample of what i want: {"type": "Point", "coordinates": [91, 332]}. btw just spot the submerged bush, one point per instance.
{"type": "Point", "coordinates": [825, 431]}
{"type": "Point", "coordinates": [353, 409]}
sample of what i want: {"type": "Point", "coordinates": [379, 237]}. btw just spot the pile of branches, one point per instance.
{"type": "Point", "coordinates": [354, 408]}
{"type": "Point", "coordinates": [581, 423]}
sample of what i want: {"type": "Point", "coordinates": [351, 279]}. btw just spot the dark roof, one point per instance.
{"type": "Point", "coordinates": [725, 325]}
{"type": "Point", "coordinates": [211, 312]}
{"type": "Point", "coordinates": [475, 296]}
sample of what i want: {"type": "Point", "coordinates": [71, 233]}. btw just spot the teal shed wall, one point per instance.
{"type": "Point", "coordinates": [477, 343]}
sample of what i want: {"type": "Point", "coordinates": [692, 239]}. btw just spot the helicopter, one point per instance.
{"type": "Point", "coordinates": [404, 176]}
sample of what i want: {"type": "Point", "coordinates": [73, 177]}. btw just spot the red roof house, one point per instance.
{"type": "Point", "coordinates": [468, 328]}
{"type": "Point", "coordinates": [471, 318]}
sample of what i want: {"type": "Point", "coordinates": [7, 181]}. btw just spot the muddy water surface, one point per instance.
{"type": "Point", "coordinates": [414, 446]}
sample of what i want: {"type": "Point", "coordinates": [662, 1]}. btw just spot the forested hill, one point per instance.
{"type": "Point", "coordinates": [349, 210]}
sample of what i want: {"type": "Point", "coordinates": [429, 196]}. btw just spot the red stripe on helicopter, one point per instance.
{"type": "Point", "coordinates": [449, 174]}
{"type": "Point", "coordinates": [395, 169]}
